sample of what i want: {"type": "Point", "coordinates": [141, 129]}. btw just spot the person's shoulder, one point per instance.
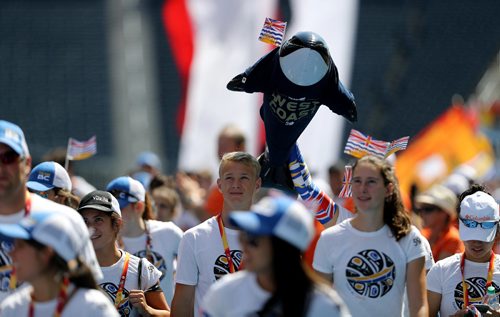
{"type": "Point", "coordinates": [233, 281]}
{"type": "Point", "coordinates": [204, 228]}
{"type": "Point", "coordinates": [338, 228]}
{"type": "Point", "coordinates": [326, 302]}
{"type": "Point", "coordinates": [449, 261]}
{"type": "Point", "coordinates": [20, 296]}
{"type": "Point", "coordinates": [95, 301]}
{"type": "Point", "coordinates": [157, 225]}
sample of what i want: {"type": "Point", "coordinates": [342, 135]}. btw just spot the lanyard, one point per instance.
{"type": "Point", "coordinates": [27, 211]}
{"type": "Point", "coordinates": [227, 251]}
{"type": "Point", "coordinates": [488, 280]}
{"type": "Point", "coordinates": [62, 299]}
{"type": "Point", "coordinates": [121, 286]}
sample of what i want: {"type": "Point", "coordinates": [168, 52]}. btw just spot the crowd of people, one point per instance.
{"type": "Point", "coordinates": [150, 244]}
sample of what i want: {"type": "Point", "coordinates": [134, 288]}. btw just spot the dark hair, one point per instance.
{"type": "Point", "coordinates": [471, 190]}
{"type": "Point", "coordinates": [291, 294]}
{"type": "Point", "coordinates": [161, 180]}
{"type": "Point", "coordinates": [395, 215]}
{"type": "Point", "coordinates": [80, 276]}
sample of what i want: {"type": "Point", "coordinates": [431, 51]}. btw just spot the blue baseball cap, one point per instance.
{"type": "Point", "coordinates": [126, 190]}
{"type": "Point", "coordinates": [281, 217]}
{"type": "Point", "coordinates": [149, 159]}
{"type": "Point", "coordinates": [13, 136]}
{"type": "Point", "coordinates": [47, 175]}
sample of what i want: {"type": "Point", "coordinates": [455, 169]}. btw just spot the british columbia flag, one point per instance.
{"type": "Point", "coordinates": [273, 32]}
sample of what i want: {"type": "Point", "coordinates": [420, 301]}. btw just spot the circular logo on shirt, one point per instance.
{"type": "Point", "coordinates": [476, 289]}
{"type": "Point", "coordinates": [124, 308]}
{"type": "Point", "coordinates": [221, 265]}
{"type": "Point", "coordinates": [156, 259]}
{"type": "Point", "coordinates": [371, 273]}
{"type": "Point", "coordinates": [5, 264]}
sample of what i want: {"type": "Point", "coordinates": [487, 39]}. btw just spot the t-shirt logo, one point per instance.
{"type": "Point", "coordinates": [476, 287]}
{"type": "Point", "coordinates": [288, 110]}
{"type": "Point", "coordinates": [124, 308]}
{"type": "Point", "coordinates": [5, 264]}
{"type": "Point", "coordinates": [371, 273]}
{"type": "Point", "coordinates": [221, 265]}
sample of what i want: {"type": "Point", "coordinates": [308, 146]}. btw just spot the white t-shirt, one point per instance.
{"type": "Point", "coordinates": [369, 268]}
{"type": "Point", "coordinates": [84, 302]}
{"type": "Point", "coordinates": [165, 238]}
{"type": "Point", "coordinates": [239, 294]}
{"type": "Point", "coordinates": [41, 204]}
{"type": "Point", "coordinates": [445, 278]}
{"type": "Point", "coordinates": [150, 276]}
{"type": "Point", "coordinates": [202, 259]}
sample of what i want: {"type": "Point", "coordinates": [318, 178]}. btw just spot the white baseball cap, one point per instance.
{"type": "Point", "coordinates": [52, 229]}
{"type": "Point", "coordinates": [47, 175]}
{"type": "Point", "coordinates": [282, 217]}
{"type": "Point", "coordinates": [475, 209]}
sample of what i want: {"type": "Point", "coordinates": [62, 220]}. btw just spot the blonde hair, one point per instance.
{"type": "Point", "coordinates": [240, 157]}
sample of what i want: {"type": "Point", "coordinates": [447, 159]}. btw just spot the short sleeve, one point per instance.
{"type": "Point", "coordinates": [320, 261]}
{"type": "Point", "coordinates": [413, 245]}
{"type": "Point", "coordinates": [150, 275]}
{"type": "Point", "coordinates": [434, 282]}
{"type": "Point", "coordinates": [187, 268]}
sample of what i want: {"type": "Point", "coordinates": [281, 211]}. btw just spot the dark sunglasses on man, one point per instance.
{"type": "Point", "coordinates": [9, 157]}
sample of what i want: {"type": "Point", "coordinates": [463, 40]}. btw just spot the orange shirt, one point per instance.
{"type": "Point", "coordinates": [449, 242]}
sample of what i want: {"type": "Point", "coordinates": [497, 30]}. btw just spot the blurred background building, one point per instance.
{"type": "Point", "coordinates": [149, 75]}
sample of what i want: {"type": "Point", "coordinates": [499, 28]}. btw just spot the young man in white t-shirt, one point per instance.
{"type": "Point", "coordinates": [211, 249]}
{"type": "Point", "coordinates": [16, 202]}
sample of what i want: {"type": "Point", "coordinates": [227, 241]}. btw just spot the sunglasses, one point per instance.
{"type": "Point", "coordinates": [426, 209]}
{"type": "Point", "coordinates": [249, 240]}
{"type": "Point", "coordinates": [473, 224]}
{"type": "Point", "coordinates": [123, 195]}
{"type": "Point", "coordinates": [9, 157]}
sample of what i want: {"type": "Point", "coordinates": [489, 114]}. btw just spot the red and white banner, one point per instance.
{"type": "Point", "coordinates": [219, 40]}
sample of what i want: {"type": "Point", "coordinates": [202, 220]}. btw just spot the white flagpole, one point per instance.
{"type": "Point", "coordinates": [66, 161]}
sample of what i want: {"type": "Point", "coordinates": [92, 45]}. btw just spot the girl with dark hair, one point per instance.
{"type": "Point", "coordinates": [46, 255]}
{"type": "Point", "coordinates": [371, 257]}
{"type": "Point", "coordinates": [143, 236]}
{"type": "Point", "coordinates": [457, 284]}
{"type": "Point", "coordinates": [131, 283]}
{"type": "Point", "coordinates": [276, 281]}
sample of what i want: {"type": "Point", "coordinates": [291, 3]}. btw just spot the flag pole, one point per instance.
{"type": "Point", "coordinates": [66, 161]}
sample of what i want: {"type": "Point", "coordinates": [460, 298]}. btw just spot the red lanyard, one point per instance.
{"type": "Point", "coordinates": [227, 251]}
{"type": "Point", "coordinates": [27, 211]}
{"type": "Point", "coordinates": [123, 277]}
{"type": "Point", "coordinates": [62, 299]}
{"type": "Point", "coordinates": [488, 280]}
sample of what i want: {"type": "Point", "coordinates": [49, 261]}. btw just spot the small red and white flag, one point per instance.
{"type": "Point", "coordinates": [80, 150]}
{"type": "Point", "coordinates": [273, 32]}
{"type": "Point", "coordinates": [397, 145]}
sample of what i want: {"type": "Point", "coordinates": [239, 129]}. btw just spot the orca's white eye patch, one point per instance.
{"type": "Point", "coordinates": [303, 67]}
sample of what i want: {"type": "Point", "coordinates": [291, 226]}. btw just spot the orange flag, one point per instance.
{"type": "Point", "coordinates": [452, 139]}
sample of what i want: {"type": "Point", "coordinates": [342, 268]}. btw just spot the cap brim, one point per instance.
{"type": "Point", "coordinates": [14, 231]}
{"type": "Point", "coordinates": [249, 222]}
{"type": "Point", "coordinates": [478, 233]}
{"type": "Point", "coordinates": [98, 207]}
{"type": "Point", "coordinates": [38, 186]}
{"type": "Point", "coordinates": [12, 145]}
